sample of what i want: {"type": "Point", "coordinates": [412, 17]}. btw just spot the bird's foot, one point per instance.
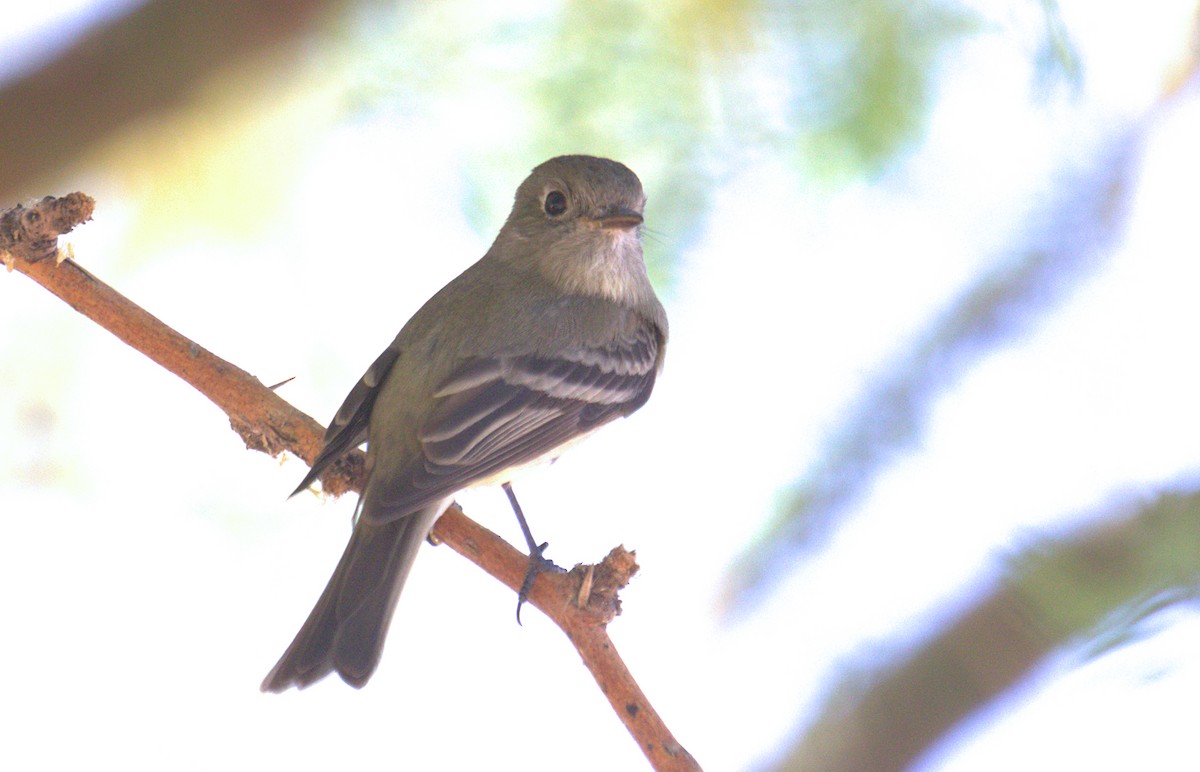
{"type": "Point", "coordinates": [538, 564]}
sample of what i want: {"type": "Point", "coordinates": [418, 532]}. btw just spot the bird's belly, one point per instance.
{"type": "Point", "coordinates": [509, 473]}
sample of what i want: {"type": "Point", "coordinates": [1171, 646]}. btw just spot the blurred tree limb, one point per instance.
{"type": "Point", "coordinates": [130, 68]}
{"type": "Point", "coordinates": [581, 602]}
{"type": "Point", "coordinates": [1091, 591]}
{"type": "Point", "coordinates": [891, 415]}
{"type": "Point", "coordinates": [1065, 242]}
{"type": "Point", "coordinates": [1058, 591]}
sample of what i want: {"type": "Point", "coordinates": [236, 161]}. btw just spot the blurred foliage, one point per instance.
{"type": "Point", "coordinates": [686, 91]}
{"type": "Point", "coordinates": [870, 69]}
{"type": "Point", "coordinates": [1056, 59]}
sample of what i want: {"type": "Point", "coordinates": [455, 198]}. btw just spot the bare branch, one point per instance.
{"type": "Point", "coordinates": [268, 423]}
{"type": "Point", "coordinates": [32, 232]}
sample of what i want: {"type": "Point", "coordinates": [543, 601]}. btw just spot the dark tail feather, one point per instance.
{"type": "Point", "coordinates": [346, 629]}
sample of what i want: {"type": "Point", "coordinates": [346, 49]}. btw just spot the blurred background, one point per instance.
{"type": "Point", "coordinates": [919, 486]}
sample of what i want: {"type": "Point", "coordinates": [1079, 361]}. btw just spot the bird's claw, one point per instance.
{"type": "Point", "coordinates": [538, 564]}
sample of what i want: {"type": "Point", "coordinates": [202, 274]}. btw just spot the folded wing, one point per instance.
{"type": "Point", "coordinates": [500, 412]}
{"type": "Point", "coordinates": [348, 429]}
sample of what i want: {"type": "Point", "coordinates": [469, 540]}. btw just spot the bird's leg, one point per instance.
{"type": "Point", "coordinates": [537, 562]}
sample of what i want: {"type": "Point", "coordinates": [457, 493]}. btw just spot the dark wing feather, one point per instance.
{"type": "Point", "coordinates": [348, 429]}
{"type": "Point", "coordinates": [496, 413]}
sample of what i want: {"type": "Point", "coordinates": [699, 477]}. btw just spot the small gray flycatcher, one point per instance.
{"type": "Point", "coordinates": [553, 333]}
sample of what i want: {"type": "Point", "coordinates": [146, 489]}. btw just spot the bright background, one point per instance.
{"type": "Point", "coordinates": [937, 262]}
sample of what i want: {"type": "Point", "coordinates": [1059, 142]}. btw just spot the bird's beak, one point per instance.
{"type": "Point", "coordinates": [618, 217]}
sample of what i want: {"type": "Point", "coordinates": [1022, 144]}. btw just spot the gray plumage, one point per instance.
{"type": "Point", "coordinates": [553, 333]}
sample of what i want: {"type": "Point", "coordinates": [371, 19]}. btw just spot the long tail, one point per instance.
{"type": "Point", "coordinates": [347, 627]}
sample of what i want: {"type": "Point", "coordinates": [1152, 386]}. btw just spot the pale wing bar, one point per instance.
{"type": "Point", "coordinates": [503, 412]}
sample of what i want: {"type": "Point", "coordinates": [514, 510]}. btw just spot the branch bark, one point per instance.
{"type": "Point", "coordinates": [581, 602]}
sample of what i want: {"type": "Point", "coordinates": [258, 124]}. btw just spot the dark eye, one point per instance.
{"type": "Point", "coordinates": [556, 203]}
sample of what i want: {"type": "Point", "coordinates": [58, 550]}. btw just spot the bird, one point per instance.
{"type": "Point", "coordinates": [553, 333]}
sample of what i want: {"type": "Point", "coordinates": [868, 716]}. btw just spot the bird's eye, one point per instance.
{"type": "Point", "coordinates": [556, 203]}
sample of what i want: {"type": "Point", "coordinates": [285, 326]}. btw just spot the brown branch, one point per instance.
{"type": "Point", "coordinates": [556, 596]}
{"type": "Point", "coordinates": [268, 423]}
{"type": "Point", "coordinates": [31, 233]}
